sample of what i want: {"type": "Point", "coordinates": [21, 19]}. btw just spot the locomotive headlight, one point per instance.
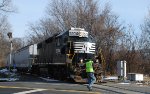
{"type": "Point", "coordinates": [81, 60]}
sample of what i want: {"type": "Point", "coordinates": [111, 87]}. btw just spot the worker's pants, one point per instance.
{"type": "Point", "coordinates": [91, 79]}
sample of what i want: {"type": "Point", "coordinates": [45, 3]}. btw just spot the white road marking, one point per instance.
{"type": "Point", "coordinates": [30, 91]}
{"type": "Point", "coordinates": [51, 89]}
{"type": "Point", "coordinates": [46, 79]}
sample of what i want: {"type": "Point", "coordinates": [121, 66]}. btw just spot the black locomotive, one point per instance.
{"type": "Point", "coordinates": [60, 56]}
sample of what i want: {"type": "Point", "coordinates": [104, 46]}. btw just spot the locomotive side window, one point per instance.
{"type": "Point", "coordinates": [63, 50]}
{"type": "Point", "coordinates": [58, 42]}
{"type": "Point", "coordinates": [65, 39]}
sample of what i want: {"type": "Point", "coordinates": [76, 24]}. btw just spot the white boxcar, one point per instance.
{"type": "Point", "coordinates": [24, 57]}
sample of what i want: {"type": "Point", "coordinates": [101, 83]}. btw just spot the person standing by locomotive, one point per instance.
{"type": "Point", "coordinates": [90, 73]}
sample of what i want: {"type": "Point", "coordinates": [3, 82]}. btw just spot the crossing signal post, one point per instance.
{"type": "Point", "coordinates": [9, 34]}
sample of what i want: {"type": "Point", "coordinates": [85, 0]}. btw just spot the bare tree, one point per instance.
{"type": "Point", "coordinates": [145, 44]}
{"type": "Point", "coordinates": [80, 13]}
{"type": "Point", "coordinates": [4, 28]}
{"type": "Point", "coordinates": [44, 29]}
{"type": "Point", "coordinates": [62, 15]}
{"type": "Point", "coordinates": [5, 7]}
{"type": "Point", "coordinates": [101, 23]}
{"type": "Point", "coordinates": [131, 50]}
{"type": "Point", "coordinates": [108, 31]}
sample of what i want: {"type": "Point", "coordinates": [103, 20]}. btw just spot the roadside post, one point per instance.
{"type": "Point", "coordinates": [9, 34]}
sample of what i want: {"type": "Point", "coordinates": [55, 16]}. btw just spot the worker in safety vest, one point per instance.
{"type": "Point", "coordinates": [90, 74]}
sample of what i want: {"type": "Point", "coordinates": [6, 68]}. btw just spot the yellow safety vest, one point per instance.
{"type": "Point", "coordinates": [89, 66]}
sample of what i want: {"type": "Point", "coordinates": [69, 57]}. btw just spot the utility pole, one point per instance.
{"type": "Point", "coordinates": [9, 34]}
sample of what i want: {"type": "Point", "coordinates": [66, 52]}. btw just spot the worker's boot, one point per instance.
{"type": "Point", "coordinates": [90, 88]}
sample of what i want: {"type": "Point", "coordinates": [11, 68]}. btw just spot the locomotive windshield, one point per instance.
{"type": "Point", "coordinates": [77, 39]}
{"type": "Point", "coordinates": [81, 39]}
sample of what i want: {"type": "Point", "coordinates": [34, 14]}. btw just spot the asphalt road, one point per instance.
{"type": "Point", "coordinates": [43, 88]}
{"type": "Point", "coordinates": [35, 85]}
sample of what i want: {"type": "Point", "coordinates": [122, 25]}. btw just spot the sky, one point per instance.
{"type": "Point", "coordinates": [30, 11]}
{"type": "Point", "coordinates": [131, 11]}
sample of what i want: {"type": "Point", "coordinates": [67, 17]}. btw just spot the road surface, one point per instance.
{"type": "Point", "coordinates": [37, 85]}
